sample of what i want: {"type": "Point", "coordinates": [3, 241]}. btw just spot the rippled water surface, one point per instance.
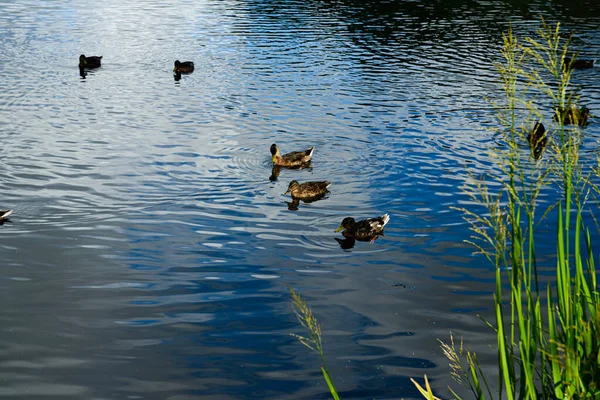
{"type": "Point", "coordinates": [150, 247]}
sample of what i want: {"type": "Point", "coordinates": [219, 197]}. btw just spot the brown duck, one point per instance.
{"type": "Point", "coordinates": [293, 159]}
{"type": "Point", "coordinates": [572, 115]}
{"type": "Point", "coordinates": [184, 67]}
{"type": "Point", "coordinates": [307, 190]}
{"type": "Point", "coordinates": [537, 139]}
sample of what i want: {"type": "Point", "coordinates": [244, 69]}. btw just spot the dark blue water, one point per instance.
{"type": "Point", "coordinates": [149, 251]}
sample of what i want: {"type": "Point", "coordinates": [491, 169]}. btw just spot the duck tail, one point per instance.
{"type": "Point", "coordinates": [310, 151]}
{"type": "Point", "coordinates": [5, 214]}
{"type": "Point", "coordinates": [385, 218]}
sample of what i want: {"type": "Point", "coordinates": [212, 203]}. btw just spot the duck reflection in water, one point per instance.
{"type": "Point", "coordinates": [277, 170]}
{"type": "Point", "coordinates": [275, 173]}
{"type": "Point", "coordinates": [295, 203]}
{"type": "Point", "coordinates": [346, 243]}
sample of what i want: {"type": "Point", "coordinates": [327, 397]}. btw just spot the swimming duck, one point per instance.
{"type": "Point", "coordinates": [537, 139]}
{"type": "Point", "coordinates": [578, 63]}
{"type": "Point", "coordinates": [293, 159]}
{"type": "Point", "coordinates": [4, 214]}
{"type": "Point", "coordinates": [307, 190]}
{"type": "Point", "coordinates": [89, 62]}
{"type": "Point", "coordinates": [369, 228]}
{"type": "Point", "coordinates": [183, 67]}
{"type": "Point", "coordinates": [571, 115]}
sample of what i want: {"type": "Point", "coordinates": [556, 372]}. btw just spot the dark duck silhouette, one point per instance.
{"type": "Point", "coordinates": [293, 159]}
{"type": "Point", "coordinates": [575, 63]}
{"type": "Point", "coordinates": [89, 62]}
{"type": "Point", "coordinates": [184, 67]}
{"type": "Point", "coordinates": [537, 139]}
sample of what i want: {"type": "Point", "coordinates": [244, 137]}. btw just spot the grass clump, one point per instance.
{"type": "Point", "coordinates": [546, 351]}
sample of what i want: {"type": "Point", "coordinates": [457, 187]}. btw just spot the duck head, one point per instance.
{"type": "Point", "coordinates": [274, 152]}
{"type": "Point", "coordinates": [293, 186]}
{"type": "Point", "coordinates": [347, 223]}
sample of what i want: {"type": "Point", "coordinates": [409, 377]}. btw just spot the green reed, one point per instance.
{"type": "Point", "coordinates": [309, 321]}
{"type": "Point", "coordinates": [547, 352]}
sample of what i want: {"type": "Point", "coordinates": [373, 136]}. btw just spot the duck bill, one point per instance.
{"type": "Point", "coordinates": [274, 159]}
{"type": "Point", "coordinates": [341, 228]}
{"type": "Point", "coordinates": [288, 191]}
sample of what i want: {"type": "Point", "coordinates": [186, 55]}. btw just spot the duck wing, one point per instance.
{"type": "Point", "coordinates": [299, 156]}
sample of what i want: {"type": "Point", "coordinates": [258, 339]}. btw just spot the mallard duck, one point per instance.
{"type": "Point", "coordinates": [537, 139]}
{"type": "Point", "coordinates": [5, 213]}
{"type": "Point", "coordinates": [183, 67]}
{"type": "Point", "coordinates": [89, 62]}
{"type": "Point", "coordinates": [293, 159]}
{"type": "Point", "coordinates": [307, 190]}
{"type": "Point", "coordinates": [578, 63]}
{"type": "Point", "coordinates": [571, 115]}
{"type": "Point", "coordinates": [366, 229]}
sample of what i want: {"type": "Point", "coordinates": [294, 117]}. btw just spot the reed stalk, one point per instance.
{"type": "Point", "coordinates": [309, 321]}
{"type": "Point", "coordinates": [550, 352]}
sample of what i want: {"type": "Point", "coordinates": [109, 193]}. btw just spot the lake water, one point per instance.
{"type": "Point", "coordinates": [149, 251]}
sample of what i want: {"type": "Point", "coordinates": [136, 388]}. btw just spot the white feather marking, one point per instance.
{"type": "Point", "coordinates": [385, 218]}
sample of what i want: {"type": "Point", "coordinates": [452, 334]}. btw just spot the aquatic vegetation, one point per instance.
{"type": "Point", "coordinates": [551, 351]}
{"type": "Point", "coordinates": [308, 321]}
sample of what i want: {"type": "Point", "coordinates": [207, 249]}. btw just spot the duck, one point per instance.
{"type": "Point", "coordinates": [368, 229]}
{"type": "Point", "coordinates": [293, 159]}
{"type": "Point", "coordinates": [578, 63]}
{"type": "Point", "coordinates": [184, 67]}
{"type": "Point", "coordinates": [571, 115]}
{"type": "Point", "coordinates": [89, 62]}
{"type": "Point", "coordinates": [308, 190]}
{"type": "Point", "coordinates": [4, 214]}
{"type": "Point", "coordinates": [537, 139]}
